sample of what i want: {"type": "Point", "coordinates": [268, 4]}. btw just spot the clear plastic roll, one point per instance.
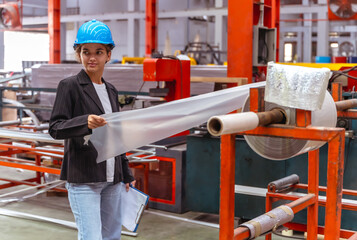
{"type": "Point", "coordinates": [276, 148]}
{"type": "Point", "coordinates": [232, 123]}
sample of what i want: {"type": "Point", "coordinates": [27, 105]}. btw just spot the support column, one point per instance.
{"type": "Point", "coordinates": [151, 27]}
{"type": "Point", "coordinates": [313, 187]}
{"type": "Point", "coordinates": [133, 30]}
{"type": "Point", "coordinates": [277, 25]}
{"type": "Point", "coordinates": [281, 48]}
{"type": "Point", "coordinates": [322, 35]}
{"type": "Point", "coordinates": [218, 3]}
{"type": "Point", "coordinates": [133, 5]}
{"type": "Point", "coordinates": [240, 39]}
{"type": "Point", "coordinates": [54, 30]}
{"type": "Point", "coordinates": [133, 37]}
{"type": "Point", "coordinates": [225, 37]}
{"type": "Point", "coordinates": [336, 149]}
{"type": "Point", "coordinates": [307, 38]}
{"type": "Point", "coordinates": [299, 48]}
{"type": "Point", "coordinates": [227, 182]}
{"type": "Point", "coordinates": [240, 64]}
{"type": "Point", "coordinates": [218, 31]}
{"type": "Point", "coordinates": [63, 41]}
{"type": "Point", "coordinates": [218, 28]}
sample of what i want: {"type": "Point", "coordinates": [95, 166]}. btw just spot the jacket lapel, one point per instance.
{"type": "Point", "coordinates": [89, 89]}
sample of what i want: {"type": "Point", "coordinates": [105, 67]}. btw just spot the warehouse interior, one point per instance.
{"type": "Point", "coordinates": [242, 120]}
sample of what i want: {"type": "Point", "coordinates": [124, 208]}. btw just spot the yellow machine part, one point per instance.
{"type": "Point", "coordinates": [192, 60]}
{"type": "Point", "coordinates": [136, 60]}
{"type": "Point", "coordinates": [331, 66]}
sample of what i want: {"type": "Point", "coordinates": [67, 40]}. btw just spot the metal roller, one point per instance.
{"type": "Point", "coordinates": [282, 183]}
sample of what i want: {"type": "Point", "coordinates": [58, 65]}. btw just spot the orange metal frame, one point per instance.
{"type": "Point", "coordinates": [146, 178]}
{"type": "Point", "coordinates": [150, 27]}
{"type": "Point", "coordinates": [242, 15]}
{"type": "Point", "coordinates": [54, 30]}
{"type": "Point", "coordinates": [175, 73]}
{"type": "Point", "coordinates": [6, 159]}
{"type": "Point", "coordinates": [336, 142]}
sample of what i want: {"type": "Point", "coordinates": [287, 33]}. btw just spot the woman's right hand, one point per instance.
{"type": "Point", "coordinates": [95, 121]}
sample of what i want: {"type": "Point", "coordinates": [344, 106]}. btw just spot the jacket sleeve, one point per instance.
{"type": "Point", "coordinates": [62, 123]}
{"type": "Point", "coordinates": [127, 175]}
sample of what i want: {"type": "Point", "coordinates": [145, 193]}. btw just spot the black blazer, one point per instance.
{"type": "Point", "coordinates": [76, 99]}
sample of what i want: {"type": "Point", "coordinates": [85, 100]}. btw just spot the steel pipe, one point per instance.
{"type": "Point", "coordinates": [282, 183]}
{"type": "Point", "coordinates": [239, 122]}
{"type": "Point", "coordinates": [346, 104]}
{"type": "Point", "coordinates": [265, 223]}
{"type": "Point", "coordinates": [275, 115]}
{"type": "Point", "coordinates": [28, 136]}
{"type": "Point", "coordinates": [268, 221]}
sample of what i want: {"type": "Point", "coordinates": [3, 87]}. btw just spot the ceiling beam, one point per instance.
{"type": "Point", "coordinates": [124, 16]}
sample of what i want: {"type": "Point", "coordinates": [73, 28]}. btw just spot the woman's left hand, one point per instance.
{"type": "Point", "coordinates": [127, 185]}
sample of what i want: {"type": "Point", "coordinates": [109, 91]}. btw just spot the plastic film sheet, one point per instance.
{"type": "Point", "coordinates": [125, 131]}
{"type": "Point", "coordinates": [295, 86]}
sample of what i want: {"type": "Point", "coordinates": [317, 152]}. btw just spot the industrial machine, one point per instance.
{"type": "Point", "coordinates": [184, 172]}
{"type": "Point", "coordinates": [252, 170]}
{"type": "Point", "coordinates": [204, 53]}
{"type": "Point", "coordinates": [174, 73]}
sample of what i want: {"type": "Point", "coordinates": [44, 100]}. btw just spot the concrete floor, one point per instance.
{"type": "Point", "coordinates": [151, 226]}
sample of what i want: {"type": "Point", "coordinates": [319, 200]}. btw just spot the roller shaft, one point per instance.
{"type": "Point", "coordinates": [346, 104]}
{"type": "Point", "coordinates": [273, 116]}
{"type": "Point", "coordinates": [283, 182]}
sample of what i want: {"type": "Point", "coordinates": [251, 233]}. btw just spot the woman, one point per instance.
{"type": "Point", "coordinates": [93, 188]}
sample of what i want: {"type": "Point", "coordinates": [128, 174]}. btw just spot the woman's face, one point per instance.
{"type": "Point", "coordinates": [94, 56]}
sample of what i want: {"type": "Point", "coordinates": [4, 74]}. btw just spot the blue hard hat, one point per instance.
{"type": "Point", "coordinates": [94, 32]}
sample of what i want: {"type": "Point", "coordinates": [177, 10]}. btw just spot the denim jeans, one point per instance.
{"type": "Point", "coordinates": [96, 209]}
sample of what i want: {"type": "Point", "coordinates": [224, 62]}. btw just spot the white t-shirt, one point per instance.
{"type": "Point", "coordinates": [104, 99]}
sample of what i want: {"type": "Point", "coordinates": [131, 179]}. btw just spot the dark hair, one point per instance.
{"type": "Point", "coordinates": [78, 49]}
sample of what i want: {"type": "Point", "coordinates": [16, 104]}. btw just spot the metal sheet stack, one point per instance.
{"type": "Point", "coordinates": [123, 77]}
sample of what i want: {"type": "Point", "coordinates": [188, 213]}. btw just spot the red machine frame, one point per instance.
{"type": "Point", "coordinates": [175, 73]}
{"type": "Point", "coordinates": [150, 27]}
{"type": "Point", "coordinates": [334, 190]}
{"type": "Point", "coordinates": [145, 166]}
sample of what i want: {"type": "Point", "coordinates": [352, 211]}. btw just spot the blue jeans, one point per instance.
{"type": "Point", "coordinates": [96, 209]}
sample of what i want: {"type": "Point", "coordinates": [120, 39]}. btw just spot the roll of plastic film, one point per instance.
{"type": "Point", "coordinates": [276, 148]}
{"type": "Point", "coordinates": [233, 123]}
